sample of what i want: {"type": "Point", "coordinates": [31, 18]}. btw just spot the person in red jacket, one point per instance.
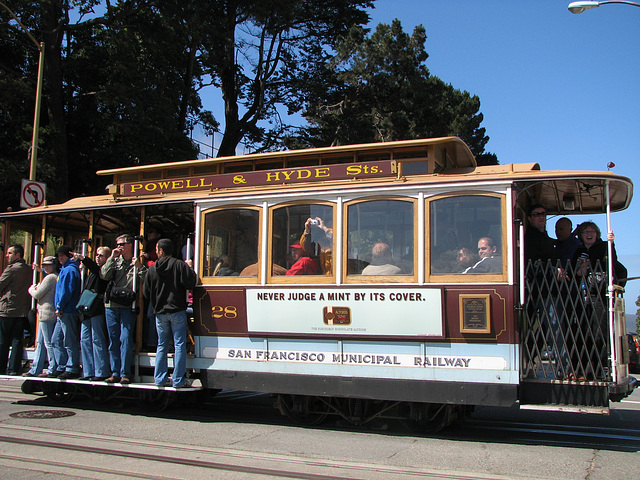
{"type": "Point", "coordinates": [303, 264]}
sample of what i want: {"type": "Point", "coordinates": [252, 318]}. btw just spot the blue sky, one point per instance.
{"type": "Point", "coordinates": [555, 88]}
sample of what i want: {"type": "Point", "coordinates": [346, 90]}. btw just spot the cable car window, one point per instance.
{"type": "Point", "coordinates": [380, 238]}
{"type": "Point", "coordinates": [231, 243]}
{"type": "Point", "coordinates": [302, 240]}
{"type": "Point", "coordinates": [466, 235]}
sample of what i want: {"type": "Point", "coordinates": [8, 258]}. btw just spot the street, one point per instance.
{"type": "Point", "coordinates": [240, 435]}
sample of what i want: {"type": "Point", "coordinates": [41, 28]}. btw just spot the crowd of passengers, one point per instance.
{"type": "Point", "coordinates": [86, 330]}
{"type": "Point", "coordinates": [567, 295]}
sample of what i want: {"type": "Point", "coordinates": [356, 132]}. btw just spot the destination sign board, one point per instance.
{"type": "Point", "coordinates": [284, 176]}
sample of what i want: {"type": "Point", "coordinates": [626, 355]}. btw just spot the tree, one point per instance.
{"type": "Point", "coordinates": [378, 88]}
{"type": "Point", "coordinates": [258, 52]}
{"type": "Point", "coordinates": [122, 80]}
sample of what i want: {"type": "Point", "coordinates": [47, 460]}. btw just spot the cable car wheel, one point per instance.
{"type": "Point", "coordinates": [59, 392]}
{"type": "Point", "coordinates": [302, 409]}
{"type": "Point", "coordinates": [428, 417]}
{"type": "Point", "coordinates": [155, 400]}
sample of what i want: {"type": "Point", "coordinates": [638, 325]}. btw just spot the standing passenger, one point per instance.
{"type": "Point", "coordinates": [538, 246]}
{"type": "Point", "coordinates": [121, 319]}
{"type": "Point", "coordinates": [66, 301]}
{"type": "Point", "coordinates": [546, 332]}
{"type": "Point", "coordinates": [15, 303]}
{"type": "Point", "coordinates": [166, 287]}
{"type": "Point", "coordinates": [590, 260]}
{"type": "Point", "coordinates": [567, 242]}
{"type": "Point", "coordinates": [45, 294]}
{"type": "Point", "coordinates": [93, 334]}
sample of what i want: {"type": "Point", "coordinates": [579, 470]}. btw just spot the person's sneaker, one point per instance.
{"type": "Point", "coordinates": [98, 379]}
{"type": "Point", "coordinates": [56, 374]}
{"type": "Point", "coordinates": [28, 374]}
{"type": "Point", "coordinates": [69, 375]}
{"type": "Point", "coordinates": [125, 380]}
{"type": "Point", "coordinates": [185, 384]}
{"type": "Point", "coordinates": [86, 378]}
{"type": "Point", "coordinates": [113, 379]}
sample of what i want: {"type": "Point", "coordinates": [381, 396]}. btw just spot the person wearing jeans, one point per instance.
{"type": "Point", "coordinates": [121, 320]}
{"type": "Point", "coordinates": [66, 301]}
{"type": "Point", "coordinates": [44, 293]}
{"type": "Point", "coordinates": [171, 326]}
{"type": "Point", "coordinates": [94, 343]}
{"type": "Point", "coordinates": [15, 303]}
{"type": "Point", "coordinates": [166, 287]}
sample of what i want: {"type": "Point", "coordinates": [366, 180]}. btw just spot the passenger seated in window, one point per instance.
{"type": "Point", "coordinates": [303, 264]}
{"type": "Point", "coordinates": [466, 259]}
{"type": "Point", "coordinates": [316, 233]}
{"type": "Point", "coordinates": [490, 259]}
{"type": "Point", "coordinates": [223, 267]}
{"type": "Point", "coordinates": [381, 261]}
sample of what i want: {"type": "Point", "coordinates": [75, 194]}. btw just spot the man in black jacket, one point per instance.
{"type": "Point", "coordinates": [166, 286]}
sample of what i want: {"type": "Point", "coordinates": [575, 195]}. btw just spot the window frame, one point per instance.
{"type": "Point", "coordinates": [379, 279]}
{"type": "Point", "coordinates": [438, 278]}
{"type": "Point", "coordinates": [211, 280]}
{"type": "Point", "coordinates": [300, 279]}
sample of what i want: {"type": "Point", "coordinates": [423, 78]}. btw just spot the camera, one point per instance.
{"type": "Point", "coordinates": [314, 222]}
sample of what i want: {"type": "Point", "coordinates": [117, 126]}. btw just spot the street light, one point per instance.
{"type": "Point", "coordinates": [579, 7]}
{"type": "Point", "coordinates": [36, 115]}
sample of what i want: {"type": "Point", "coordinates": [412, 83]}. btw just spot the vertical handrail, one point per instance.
{"type": "Point", "coordinates": [85, 250]}
{"type": "Point", "coordinates": [610, 296]}
{"type": "Point", "coordinates": [36, 262]}
{"type": "Point", "coordinates": [521, 262]}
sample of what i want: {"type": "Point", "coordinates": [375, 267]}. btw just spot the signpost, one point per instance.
{"type": "Point", "coordinates": [32, 194]}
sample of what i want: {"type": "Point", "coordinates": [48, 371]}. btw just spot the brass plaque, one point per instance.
{"type": "Point", "coordinates": [336, 315]}
{"type": "Point", "coordinates": [475, 313]}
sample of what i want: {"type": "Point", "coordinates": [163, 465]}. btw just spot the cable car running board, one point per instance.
{"type": "Point", "coordinates": [567, 408]}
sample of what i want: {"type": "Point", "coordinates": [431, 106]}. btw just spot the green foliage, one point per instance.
{"type": "Point", "coordinates": [123, 84]}
{"type": "Point", "coordinates": [377, 88]}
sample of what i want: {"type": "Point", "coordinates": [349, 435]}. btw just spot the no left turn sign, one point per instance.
{"type": "Point", "coordinates": [32, 194]}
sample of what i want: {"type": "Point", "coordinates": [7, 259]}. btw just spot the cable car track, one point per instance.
{"type": "Point", "coordinates": [193, 460]}
{"type": "Point", "coordinates": [252, 407]}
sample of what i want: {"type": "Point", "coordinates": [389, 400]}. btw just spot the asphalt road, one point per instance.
{"type": "Point", "coordinates": [240, 435]}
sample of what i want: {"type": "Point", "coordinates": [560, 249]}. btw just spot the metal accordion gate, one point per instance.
{"type": "Point", "coordinates": [565, 338]}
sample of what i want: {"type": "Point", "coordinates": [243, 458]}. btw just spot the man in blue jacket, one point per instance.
{"type": "Point", "coordinates": [66, 301]}
{"type": "Point", "coordinates": [166, 286]}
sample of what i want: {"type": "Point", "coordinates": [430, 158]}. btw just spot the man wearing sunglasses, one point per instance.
{"type": "Point", "coordinates": [121, 319]}
{"type": "Point", "coordinates": [537, 243]}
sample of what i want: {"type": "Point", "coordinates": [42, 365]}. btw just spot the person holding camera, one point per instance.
{"type": "Point", "coordinates": [121, 318]}
{"type": "Point", "coordinates": [317, 241]}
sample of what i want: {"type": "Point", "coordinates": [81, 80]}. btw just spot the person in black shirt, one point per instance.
{"type": "Point", "coordinates": [538, 246]}
{"type": "Point", "coordinates": [166, 287]}
{"type": "Point", "coordinates": [545, 336]}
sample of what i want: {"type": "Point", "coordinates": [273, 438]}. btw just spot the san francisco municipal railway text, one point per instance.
{"type": "Point", "coordinates": [352, 359]}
